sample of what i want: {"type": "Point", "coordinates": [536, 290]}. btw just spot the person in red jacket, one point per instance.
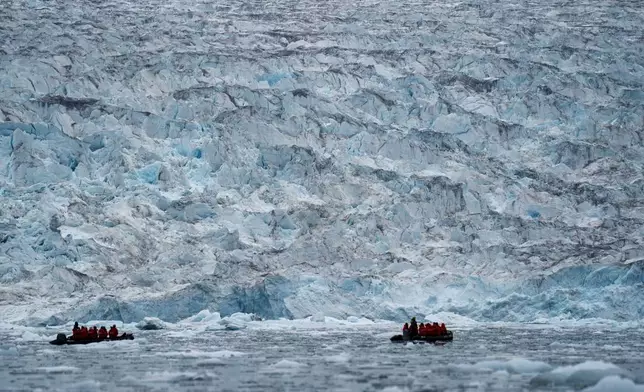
{"type": "Point", "coordinates": [75, 330]}
{"type": "Point", "coordinates": [114, 333]}
{"type": "Point", "coordinates": [443, 329]}
{"type": "Point", "coordinates": [102, 332]}
{"type": "Point", "coordinates": [82, 333]}
{"type": "Point", "coordinates": [406, 331]}
{"type": "Point", "coordinates": [437, 329]}
{"type": "Point", "coordinates": [422, 331]}
{"type": "Point", "coordinates": [92, 333]}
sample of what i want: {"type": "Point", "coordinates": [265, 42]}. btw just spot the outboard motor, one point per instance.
{"type": "Point", "coordinates": [61, 337]}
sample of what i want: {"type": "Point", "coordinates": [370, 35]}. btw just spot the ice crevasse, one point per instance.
{"type": "Point", "coordinates": [334, 171]}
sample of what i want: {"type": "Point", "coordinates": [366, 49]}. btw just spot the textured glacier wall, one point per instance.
{"type": "Point", "coordinates": [377, 158]}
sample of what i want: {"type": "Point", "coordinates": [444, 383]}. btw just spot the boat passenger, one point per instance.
{"type": "Point", "coordinates": [75, 330]}
{"type": "Point", "coordinates": [413, 328]}
{"type": "Point", "coordinates": [83, 333]}
{"type": "Point", "coordinates": [443, 329]}
{"type": "Point", "coordinates": [437, 329]}
{"type": "Point", "coordinates": [405, 330]}
{"type": "Point", "coordinates": [114, 333]}
{"type": "Point", "coordinates": [421, 329]}
{"type": "Point", "coordinates": [102, 332]}
{"type": "Point", "coordinates": [92, 333]}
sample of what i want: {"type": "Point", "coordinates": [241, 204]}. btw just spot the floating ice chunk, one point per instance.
{"type": "Point", "coordinates": [579, 376]}
{"type": "Point", "coordinates": [338, 358]}
{"type": "Point", "coordinates": [234, 326]}
{"type": "Point", "coordinates": [612, 347]}
{"type": "Point", "coordinates": [615, 384]}
{"type": "Point", "coordinates": [226, 354]}
{"type": "Point", "coordinates": [29, 336]}
{"type": "Point", "coordinates": [236, 321]}
{"type": "Point", "coordinates": [205, 316]}
{"type": "Point", "coordinates": [516, 365]}
{"type": "Point", "coordinates": [58, 369]}
{"type": "Point", "coordinates": [353, 319]}
{"type": "Point", "coordinates": [151, 324]}
{"type": "Point", "coordinates": [285, 365]}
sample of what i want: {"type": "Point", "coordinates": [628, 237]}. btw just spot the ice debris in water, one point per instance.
{"type": "Point", "coordinates": [205, 316]}
{"type": "Point", "coordinates": [237, 321]}
{"type": "Point", "coordinates": [516, 365]}
{"type": "Point", "coordinates": [28, 336]}
{"type": "Point", "coordinates": [284, 365]}
{"type": "Point", "coordinates": [151, 324]}
{"type": "Point", "coordinates": [581, 375]}
{"type": "Point", "coordinates": [59, 369]}
{"type": "Point", "coordinates": [615, 384]}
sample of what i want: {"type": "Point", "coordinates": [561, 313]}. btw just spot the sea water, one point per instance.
{"type": "Point", "coordinates": [355, 358]}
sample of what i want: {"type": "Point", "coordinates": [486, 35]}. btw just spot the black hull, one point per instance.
{"type": "Point", "coordinates": [61, 339]}
{"type": "Point", "coordinates": [448, 337]}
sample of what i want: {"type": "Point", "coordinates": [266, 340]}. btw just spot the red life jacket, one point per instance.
{"type": "Point", "coordinates": [114, 332]}
{"type": "Point", "coordinates": [75, 332]}
{"type": "Point", "coordinates": [83, 333]}
{"type": "Point", "coordinates": [93, 333]}
{"type": "Point", "coordinates": [102, 333]}
{"type": "Point", "coordinates": [443, 328]}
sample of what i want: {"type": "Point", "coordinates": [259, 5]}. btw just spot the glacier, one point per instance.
{"type": "Point", "coordinates": [372, 158]}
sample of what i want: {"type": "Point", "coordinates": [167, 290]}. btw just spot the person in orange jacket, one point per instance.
{"type": "Point", "coordinates": [102, 332]}
{"type": "Point", "coordinates": [114, 333]}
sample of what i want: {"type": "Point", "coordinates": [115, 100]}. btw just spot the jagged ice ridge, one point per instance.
{"type": "Point", "coordinates": [288, 158]}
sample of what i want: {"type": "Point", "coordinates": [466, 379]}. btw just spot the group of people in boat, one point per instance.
{"type": "Point", "coordinates": [430, 329]}
{"type": "Point", "coordinates": [91, 333]}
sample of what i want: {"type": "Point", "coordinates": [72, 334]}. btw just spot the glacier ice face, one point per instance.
{"type": "Point", "coordinates": [289, 159]}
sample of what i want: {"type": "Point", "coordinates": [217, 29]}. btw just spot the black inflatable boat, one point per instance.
{"type": "Point", "coordinates": [446, 337]}
{"type": "Point", "coordinates": [61, 339]}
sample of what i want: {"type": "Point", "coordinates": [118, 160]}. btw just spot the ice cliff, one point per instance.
{"type": "Point", "coordinates": [375, 158]}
